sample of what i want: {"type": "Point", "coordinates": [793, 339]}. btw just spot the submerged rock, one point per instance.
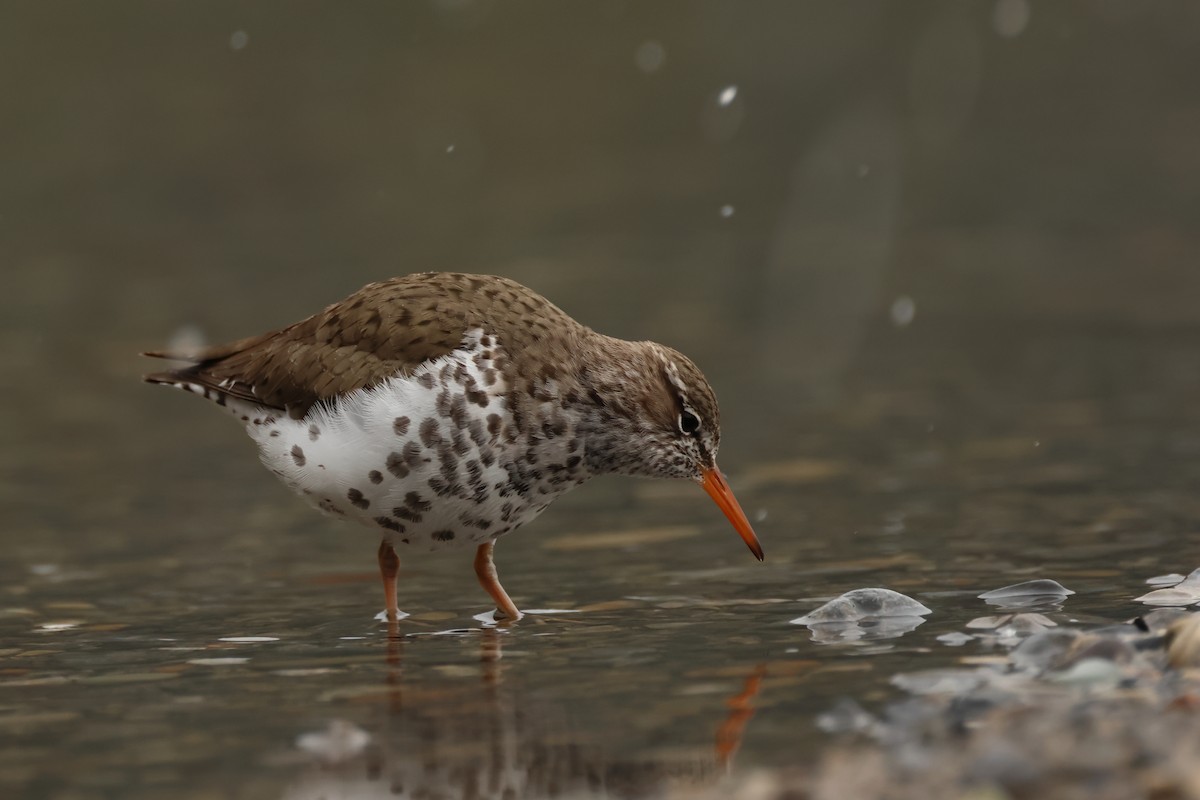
{"type": "Point", "coordinates": [340, 741]}
{"type": "Point", "coordinates": [955, 639]}
{"type": "Point", "coordinates": [941, 681]}
{"type": "Point", "coordinates": [1089, 672]}
{"type": "Point", "coordinates": [1041, 650]}
{"type": "Point", "coordinates": [1007, 630]}
{"type": "Point", "coordinates": [1027, 622]}
{"type": "Point", "coordinates": [863, 630]}
{"type": "Point", "coordinates": [847, 716]}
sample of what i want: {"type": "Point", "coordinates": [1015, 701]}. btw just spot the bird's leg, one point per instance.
{"type": "Point", "coordinates": [389, 568]}
{"type": "Point", "coordinates": [485, 570]}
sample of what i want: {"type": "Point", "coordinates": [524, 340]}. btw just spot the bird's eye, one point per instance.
{"type": "Point", "coordinates": [688, 422]}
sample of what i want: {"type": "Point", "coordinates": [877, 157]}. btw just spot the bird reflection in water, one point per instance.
{"type": "Point", "coordinates": [445, 739]}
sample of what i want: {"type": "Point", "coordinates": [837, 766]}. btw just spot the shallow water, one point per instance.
{"type": "Point", "coordinates": [970, 365]}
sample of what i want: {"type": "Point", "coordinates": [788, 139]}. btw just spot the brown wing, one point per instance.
{"type": "Point", "coordinates": [382, 330]}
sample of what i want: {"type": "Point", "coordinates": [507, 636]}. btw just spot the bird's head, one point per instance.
{"type": "Point", "coordinates": [683, 432]}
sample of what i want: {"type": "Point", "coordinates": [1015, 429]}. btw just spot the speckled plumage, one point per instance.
{"type": "Point", "coordinates": [445, 409]}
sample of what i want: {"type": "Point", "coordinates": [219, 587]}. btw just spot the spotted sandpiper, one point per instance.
{"type": "Point", "coordinates": [442, 410]}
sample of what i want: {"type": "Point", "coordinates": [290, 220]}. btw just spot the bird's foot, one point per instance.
{"type": "Point", "coordinates": [497, 618]}
{"type": "Point", "coordinates": [501, 616]}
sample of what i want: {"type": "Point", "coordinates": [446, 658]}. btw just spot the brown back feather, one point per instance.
{"type": "Point", "coordinates": [382, 330]}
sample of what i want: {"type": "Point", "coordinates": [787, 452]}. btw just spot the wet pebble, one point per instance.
{"type": "Point", "coordinates": [1008, 630]}
{"type": "Point", "coordinates": [847, 716]}
{"type": "Point", "coordinates": [1183, 642]}
{"type": "Point", "coordinates": [339, 742]}
{"type": "Point", "coordinates": [1039, 651]}
{"type": "Point", "coordinates": [1064, 703]}
{"type": "Point", "coordinates": [1090, 672]}
{"type": "Point", "coordinates": [1026, 594]}
{"type": "Point", "coordinates": [1113, 649]}
{"type": "Point", "coordinates": [1028, 622]}
{"type": "Point", "coordinates": [955, 639]}
{"type": "Point", "coordinates": [1185, 592]}
{"type": "Point", "coordinates": [860, 604]}
{"type": "Point", "coordinates": [1160, 619]}
{"type": "Point", "coordinates": [863, 615]}
{"type": "Point", "coordinates": [1176, 596]}
{"type": "Point", "coordinates": [940, 681]}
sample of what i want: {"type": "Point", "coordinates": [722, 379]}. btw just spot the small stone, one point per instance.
{"type": "Point", "coordinates": [864, 604]}
{"type": "Point", "coordinates": [1030, 593]}
{"type": "Point", "coordinates": [339, 742]}
{"type": "Point", "coordinates": [955, 639]}
{"type": "Point", "coordinates": [1040, 650]}
{"type": "Point", "coordinates": [1177, 596]}
{"type": "Point", "coordinates": [1089, 672]}
{"type": "Point", "coordinates": [1183, 642]}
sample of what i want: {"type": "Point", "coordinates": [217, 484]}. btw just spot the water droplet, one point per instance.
{"type": "Point", "coordinates": [238, 40]}
{"type": "Point", "coordinates": [727, 211]}
{"type": "Point", "coordinates": [449, 148]}
{"type": "Point", "coordinates": [1010, 17]}
{"type": "Point", "coordinates": [727, 95]}
{"type": "Point", "coordinates": [186, 342]}
{"type": "Point", "coordinates": [650, 56]}
{"type": "Point", "coordinates": [903, 311]}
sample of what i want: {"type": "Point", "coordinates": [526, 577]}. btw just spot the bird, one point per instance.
{"type": "Point", "coordinates": [447, 410]}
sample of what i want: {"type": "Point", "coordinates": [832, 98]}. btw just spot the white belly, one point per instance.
{"type": "Point", "coordinates": [425, 459]}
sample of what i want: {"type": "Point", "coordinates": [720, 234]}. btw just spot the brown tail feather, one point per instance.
{"type": "Point", "coordinates": [165, 354]}
{"type": "Point", "coordinates": [162, 377]}
{"type": "Point", "coordinates": [194, 375]}
{"type": "Point", "coordinates": [211, 353]}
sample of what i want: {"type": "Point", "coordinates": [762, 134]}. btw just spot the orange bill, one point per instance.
{"type": "Point", "coordinates": [719, 491]}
